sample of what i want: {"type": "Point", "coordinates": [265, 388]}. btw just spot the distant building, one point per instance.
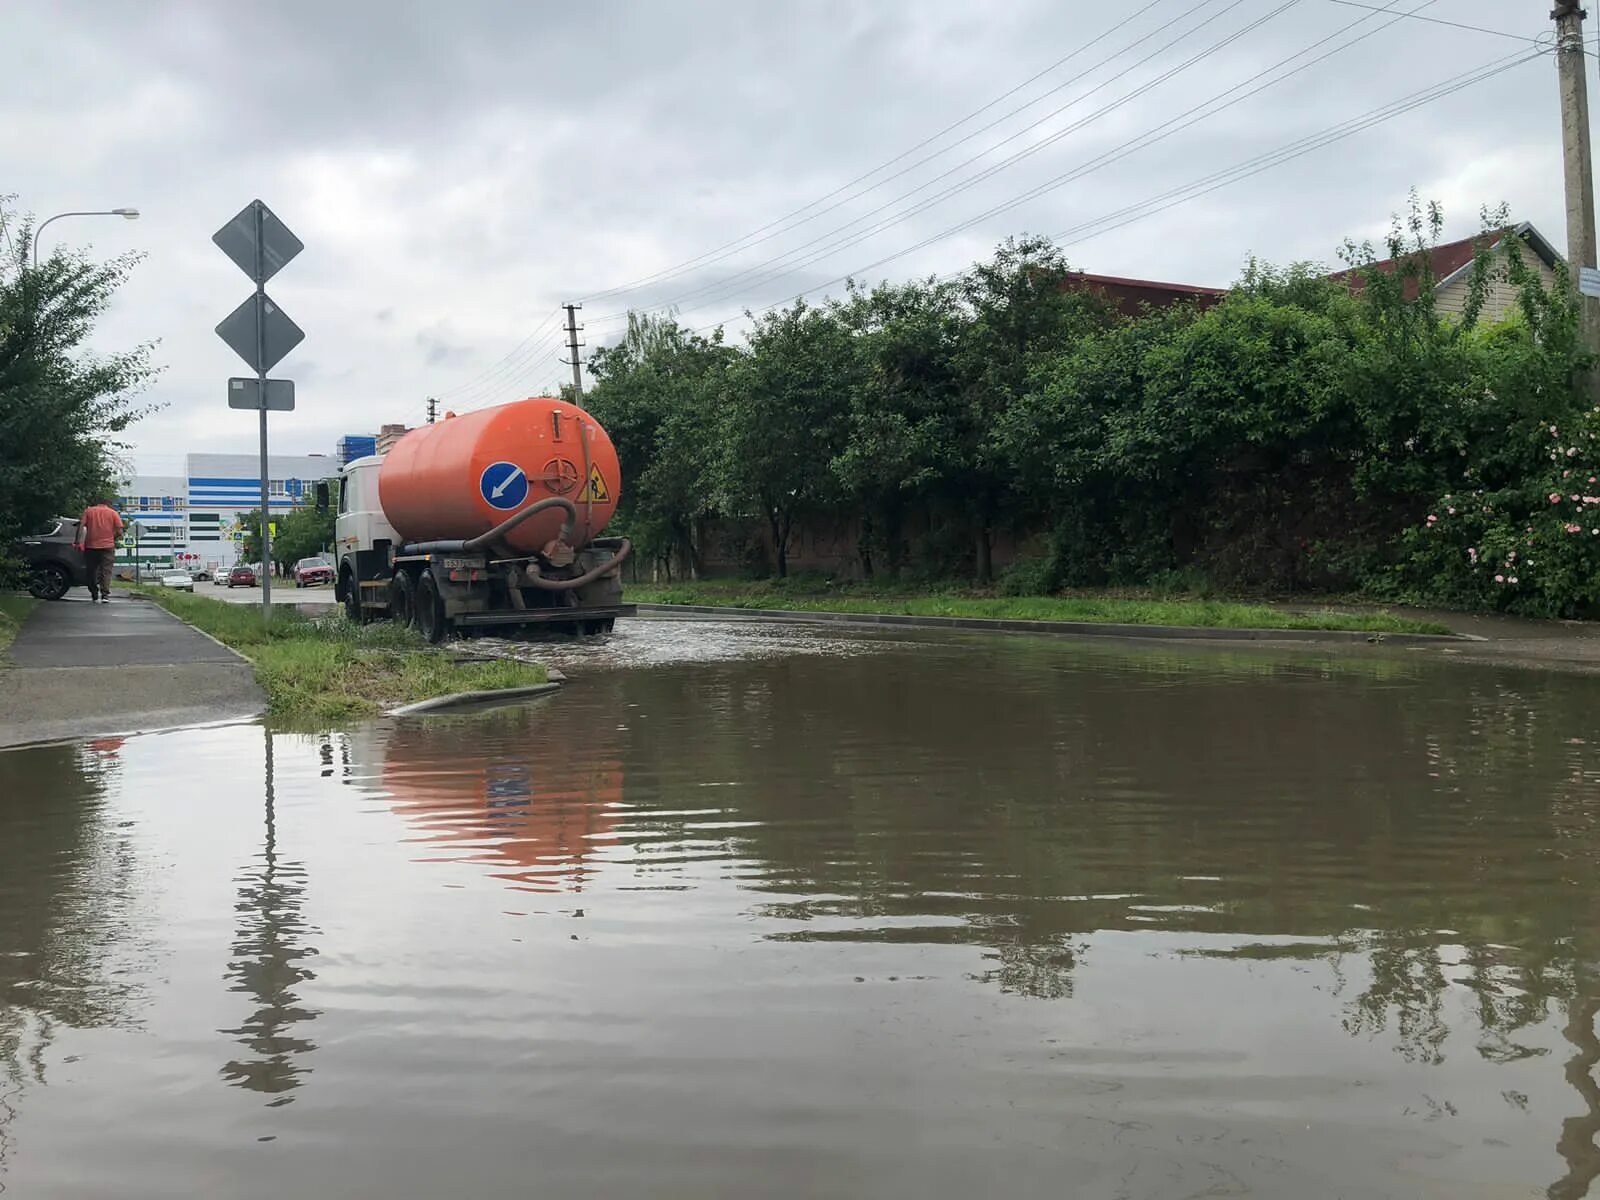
{"type": "Point", "coordinates": [1451, 265]}
{"type": "Point", "coordinates": [355, 445]}
{"type": "Point", "coordinates": [198, 512]}
{"type": "Point", "coordinates": [159, 504]}
{"type": "Point", "coordinates": [1130, 297]}
{"type": "Point", "coordinates": [388, 436]}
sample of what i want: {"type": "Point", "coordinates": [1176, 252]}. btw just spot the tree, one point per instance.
{"type": "Point", "coordinates": [61, 406]}
{"type": "Point", "coordinates": [1021, 312]}
{"type": "Point", "coordinates": [905, 395]}
{"type": "Point", "coordinates": [657, 393]}
{"type": "Point", "coordinates": [784, 417]}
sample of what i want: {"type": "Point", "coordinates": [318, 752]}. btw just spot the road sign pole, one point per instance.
{"type": "Point", "coordinates": [261, 376]}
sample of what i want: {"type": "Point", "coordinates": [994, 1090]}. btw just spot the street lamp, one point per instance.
{"type": "Point", "coordinates": [127, 214]}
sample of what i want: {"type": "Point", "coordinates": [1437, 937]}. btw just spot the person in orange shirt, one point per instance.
{"type": "Point", "coordinates": [98, 530]}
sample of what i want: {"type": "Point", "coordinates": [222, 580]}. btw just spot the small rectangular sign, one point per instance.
{"type": "Point", "coordinates": [246, 393]}
{"type": "Point", "coordinates": [1589, 281]}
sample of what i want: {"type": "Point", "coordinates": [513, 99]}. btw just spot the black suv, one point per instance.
{"type": "Point", "coordinates": [55, 565]}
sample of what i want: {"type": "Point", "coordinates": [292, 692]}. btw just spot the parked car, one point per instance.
{"type": "Point", "coordinates": [311, 571]}
{"type": "Point", "coordinates": [180, 581]}
{"type": "Point", "coordinates": [241, 576]}
{"type": "Point", "coordinates": [220, 576]}
{"type": "Point", "coordinates": [55, 564]}
{"type": "Point", "coordinates": [203, 575]}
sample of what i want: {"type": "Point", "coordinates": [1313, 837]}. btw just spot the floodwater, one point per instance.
{"type": "Point", "coordinates": [887, 916]}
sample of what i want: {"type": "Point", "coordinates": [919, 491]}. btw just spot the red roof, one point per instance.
{"type": "Point", "coordinates": [1133, 296]}
{"type": "Point", "coordinates": [1451, 258]}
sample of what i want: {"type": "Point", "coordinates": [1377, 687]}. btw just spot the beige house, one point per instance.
{"type": "Point", "coordinates": [1451, 264]}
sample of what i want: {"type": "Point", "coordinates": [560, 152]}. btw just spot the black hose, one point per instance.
{"type": "Point", "coordinates": [472, 545]}
{"type": "Point", "coordinates": [624, 548]}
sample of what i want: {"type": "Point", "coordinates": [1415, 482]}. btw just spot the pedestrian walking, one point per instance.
{"type": "Point", "coordinates": [98, 530]}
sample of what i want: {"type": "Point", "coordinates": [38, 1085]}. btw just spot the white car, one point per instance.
{"type": "Point", "coordinates": [180, 580]}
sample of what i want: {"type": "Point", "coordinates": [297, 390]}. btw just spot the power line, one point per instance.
{"type": "Point", "coordinates": [1150, 137]}
{"type": "Point", "coordinates": [1249, 167]}
{"type": "Point", "coordinates": [554, 313]}
{"type": "Point", "coordinates": [1453, 24]}
{"type": "Point", "coordinates": [1289, 152]}
{"type": "Point", "coordinates": [721, 288]}
{"type": "Point", "coordinates": [744, 243]}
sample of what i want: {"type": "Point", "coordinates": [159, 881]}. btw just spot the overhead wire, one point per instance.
{"type": "Point", "coordinates": [1190, 116]}
{"type": "Point", "coordinates": [491, 369]}
{"type": "Point", "coordinates": [763, 269]}
{"type": "Point", "coordinates": [1245, 170]}
{"type": "Point", "coordinates": [1453, 24]}
{"type": "Point", "coordinates": [727, 249]}
{"type": "Point", "coordinates": [1289, 152]}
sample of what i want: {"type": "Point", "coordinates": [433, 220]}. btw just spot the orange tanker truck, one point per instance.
{"type": "Point", "coordinates": [490, 518]}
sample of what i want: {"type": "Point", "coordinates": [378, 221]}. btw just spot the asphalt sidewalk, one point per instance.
{"type": "Point", "coordinates": [81, 669]}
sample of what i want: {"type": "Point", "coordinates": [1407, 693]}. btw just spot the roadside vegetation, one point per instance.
{"type": "Point", "coordinates": [63, 409]}
{"type": "Point", "coordinates": [800, 595]}
{"type": "Point", "coordinates": [328, 669]}
{"type": "Point", "coordinates": [14, 611]}
{"type": "Point", "coordinates": [1293, 439]}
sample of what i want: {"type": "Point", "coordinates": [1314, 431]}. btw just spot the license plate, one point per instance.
{"type": "Point", "coordinates": [461, 564]}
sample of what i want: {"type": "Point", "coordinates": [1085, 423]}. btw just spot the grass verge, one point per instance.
{"type": "Point", "coordinates": [1215, 614]}
{"type": "Point", "coordinates": [14, 610]}
{"type": "Point", "coordinates": [331, 669]}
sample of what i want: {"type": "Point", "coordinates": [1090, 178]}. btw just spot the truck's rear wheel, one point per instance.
{"type": "Point", "coordinates": [403, 600]}
{"type": "Point", "coordinates": [352, 599]}
{"type": "Point", "coordinates": [429, 609]}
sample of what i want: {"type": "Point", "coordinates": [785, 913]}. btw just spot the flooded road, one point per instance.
{"type": "Point", "coordinates": [817, 914]}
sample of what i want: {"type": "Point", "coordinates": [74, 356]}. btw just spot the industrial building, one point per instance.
{"type": "Point", "coordinates": [198, 512]}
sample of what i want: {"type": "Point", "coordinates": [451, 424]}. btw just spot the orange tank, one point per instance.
{"type": "Point", "coordinates": [466, 474]}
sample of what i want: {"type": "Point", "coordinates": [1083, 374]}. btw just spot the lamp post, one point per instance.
{"type": "Point", "coordinates": [127, 214]}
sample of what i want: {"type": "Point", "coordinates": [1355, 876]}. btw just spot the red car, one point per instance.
{"type": "Point", "coordinates": [311, 571]}
{"type": "Point", "coordinates": [242, 577]}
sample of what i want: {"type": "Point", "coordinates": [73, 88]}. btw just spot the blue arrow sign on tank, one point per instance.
{"type": "Point", "coordinates": [504, 485]}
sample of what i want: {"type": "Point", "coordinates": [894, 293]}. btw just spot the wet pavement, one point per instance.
{"type": "Point", "coordinates": [789, 912]}
{"type": "Point", "coordinates": [82, 669]}
{"type": "Point", "coordinates": [319, 599]}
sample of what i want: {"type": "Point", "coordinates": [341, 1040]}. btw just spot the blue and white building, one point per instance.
{"type": "Point", "coordinates": [198, 513]}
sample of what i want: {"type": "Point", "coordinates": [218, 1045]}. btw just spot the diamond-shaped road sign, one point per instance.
{"type": "Point", "coordinates": [237, 239]}
{"type": "Point", "coordinates": [279, 334]}
{"type": "Point", "coordinates": [246, 393]}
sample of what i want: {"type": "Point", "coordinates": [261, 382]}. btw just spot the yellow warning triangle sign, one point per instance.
{"type": "Point", "coordinates": [595, 489]}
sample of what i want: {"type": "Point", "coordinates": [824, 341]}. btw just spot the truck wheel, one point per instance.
{"type": "Point", "coordinates": [429, 607]}
{"type": "Point", "coordinates": [49, 582]}
{"type": "Point", "coordinates": [403, 600]}
{"type": "Point", "coordinates": [352, 600]}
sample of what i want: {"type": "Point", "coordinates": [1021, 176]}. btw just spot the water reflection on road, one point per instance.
{"type": "Point", "coordinates": [924, 916]}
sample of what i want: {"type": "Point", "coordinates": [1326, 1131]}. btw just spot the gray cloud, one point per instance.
{"type": "Point", "coordinates": [458, 171]}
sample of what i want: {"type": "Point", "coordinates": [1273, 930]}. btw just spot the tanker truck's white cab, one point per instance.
{"type": "Point", "coordinates": [360, 524]}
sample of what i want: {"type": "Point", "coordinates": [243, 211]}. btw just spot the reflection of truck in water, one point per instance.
{"type": "Point", "coordinates": [532, 803]}
{"type": "Point", "coordinates": [490, 518]}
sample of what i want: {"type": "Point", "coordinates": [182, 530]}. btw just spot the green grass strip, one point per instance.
{"type": "Point", "coordinates": [329, 669]}
{"type": "Point", "coordinates": [14, 610]}
{"type": "Point", "coordinates": [1212, 614]}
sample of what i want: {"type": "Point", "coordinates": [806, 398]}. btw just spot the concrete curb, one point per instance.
{"type": "Point", "coordinates": [462, 699]}
{"type": "Point", "coordinates": [1057, 628]}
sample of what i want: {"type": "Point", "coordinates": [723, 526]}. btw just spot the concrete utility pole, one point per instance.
{"type": "Point", "coordinates": [1572, 65]}
{"type": "Point", "coordinates": [572, 344]}
{"type": "Point", "coordinates": [433, 410]}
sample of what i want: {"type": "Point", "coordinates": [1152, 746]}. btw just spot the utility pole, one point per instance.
{"type": "Point", "coordinates": [433, 410]}
{"type": "Point", "coordinates": [1571, 63]}
{"type": "Point", "coordinates": [572, 344]}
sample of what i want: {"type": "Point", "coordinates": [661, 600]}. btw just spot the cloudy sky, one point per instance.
{"type": "Point", "coordinates": [458, 170]}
